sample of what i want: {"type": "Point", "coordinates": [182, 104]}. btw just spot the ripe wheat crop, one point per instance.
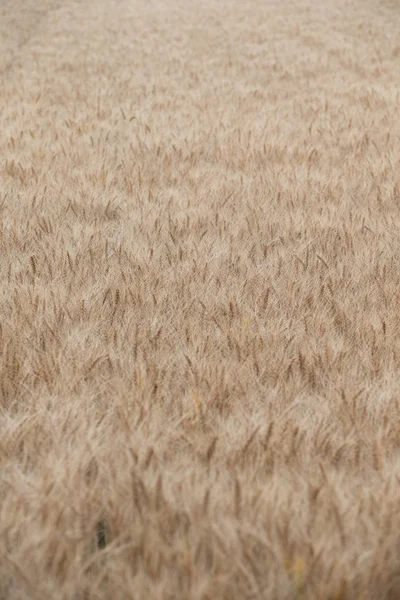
{"type": "Point", "coordinates": [199, 300]}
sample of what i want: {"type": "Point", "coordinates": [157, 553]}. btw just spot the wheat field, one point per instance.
{"type": "Point", "coordinates": [199, 300]}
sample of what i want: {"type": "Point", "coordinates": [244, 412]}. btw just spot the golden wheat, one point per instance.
{"type": "Point", "coordinates": [199, 296]}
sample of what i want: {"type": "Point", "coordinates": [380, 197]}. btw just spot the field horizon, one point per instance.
{"type": "Point", "coordinates": [199, 300]}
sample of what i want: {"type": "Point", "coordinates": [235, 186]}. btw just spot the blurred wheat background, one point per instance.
{"type": "Point", "coordinates": [199, 300]}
